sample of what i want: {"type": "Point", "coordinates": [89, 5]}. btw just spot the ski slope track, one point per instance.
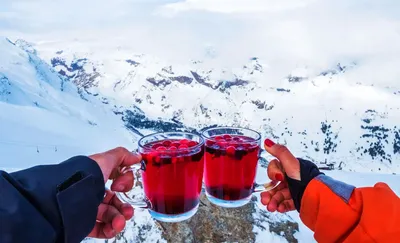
{"type": "Point", "coordinates": [58, 100]}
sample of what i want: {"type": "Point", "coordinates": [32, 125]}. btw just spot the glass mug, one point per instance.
{"type": "Point", "coordinates": [172, 171]}
{"type": "Point", "coordinates": [231, 160]}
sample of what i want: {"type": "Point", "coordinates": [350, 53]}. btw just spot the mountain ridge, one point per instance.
{"type": "Point", "coordinates": [58, 104]}
{"type": "Point", "coordinates": [243, 97]}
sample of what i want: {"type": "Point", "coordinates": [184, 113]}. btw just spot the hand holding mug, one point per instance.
{"type": "Point", "coordinates": [112, 213]}
{"type": "Point", "coordinates": [280, 199]}
{"type": "Point", "coordinates": [172, 172]}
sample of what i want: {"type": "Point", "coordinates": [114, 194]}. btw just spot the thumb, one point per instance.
{"type": "Point", "coordinates": [112, 159]}
{"type": "Point", "coordinates": [275, 170]}
{"type": "Point", "coordinates": [289, 163]}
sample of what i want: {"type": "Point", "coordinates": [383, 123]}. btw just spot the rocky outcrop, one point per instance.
{"type": "Point", "coordinates": [4, 86]}
{"type": "Point", "coordinates": [213, 224]}
{"type": "Point", "coordinates": [76, 72]}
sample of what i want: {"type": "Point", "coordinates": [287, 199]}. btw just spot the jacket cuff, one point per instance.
{"type": "Point", "coordinates": [308, 171]}
{"type": "Point", "coordinates": [79, 168]}
{"type": "Point", "coordinates": [63, 193]}
{"type": "Point", "coordinates": [80, 194]}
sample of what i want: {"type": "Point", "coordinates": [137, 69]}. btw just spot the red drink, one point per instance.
{"type": "Point", "coordinates": [230, 167]}
{"type": "Point", "coordinates": [172, 172]}
{"type": "Point", "coordinates": [231, 159]}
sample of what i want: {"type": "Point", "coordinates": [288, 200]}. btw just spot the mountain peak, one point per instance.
{"type": "Point", "coordinates": [26, 46]}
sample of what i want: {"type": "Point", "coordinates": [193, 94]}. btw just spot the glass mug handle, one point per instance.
{"type": "Point", "coordinates": [131, 197]}
{"type": "Point", "coordinates": [265, 187]}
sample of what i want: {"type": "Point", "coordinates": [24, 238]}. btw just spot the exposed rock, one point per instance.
{"type": "Point", "coordinates": [132, 62]}
{"type": "Point", "coordinates": [236, 82]}
{"type": "Point", "coordinates": [159, 82]}
{"type": "Point", "coordinates": [26, 46]}
{"type": "Point", "coordinates": [182, 79]}
{"type": "Point", "coordinates": [76, 72]}
{"type": "Point", "coordinates": [260, 104]}
{"type": "Point", "coordinates": [295, 79]}
{"type": "Point", "coordinates": [213, 224]}
{"type": "Point", "coordinates": [135, 119]}
{"type": "Point", "coordinates": [203, 81]}
{"type": "Point", "coordinates": [4, 86]}
{"type": "Point", "coordinates": [283, 90]}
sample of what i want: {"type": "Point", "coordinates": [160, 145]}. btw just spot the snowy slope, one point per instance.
{"type": "Point", "coordinates": [44, 119]}
{"type": "Point", "coordinates": [82, 101]}
{"type": "Point", "coordinates": [327, 115]}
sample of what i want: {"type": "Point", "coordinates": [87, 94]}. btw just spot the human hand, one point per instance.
{"type": "Point", "coordinates": [279, 199]}
{"type": "Point", "coordinates": [112, 213]}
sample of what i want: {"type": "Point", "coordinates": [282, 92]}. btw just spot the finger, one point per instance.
{"type": "Point", "coordinates": [289, 204]}
{"type": "Point", "coordinates": [110, 215]}
{"type": "Point", "coordinates": [106, 213]}
{"type": "Point", "coordinates": [275, 170]}
{"type": "Point", "coordinates": [277, 199]}
{"type": "Point", "coordinates": [123, 183]}
{"type": "Point", "coordinates": [286, 206]}
{"type": "Point", "coordinates": [124, 157]}
{"type": "Point", "coordinates": [266, 196]}
{"type": "Point", "coordinates": [115, 173]}
{"type": "Point", "coordinates": [112, 159]}
{"type": "Point", "coordinates": [124, 208]}
{"type": "Point", "coordinates": [290, 164]}
{"type": "Point", "coordinates": [286, 193]}
{"type": "Point", "coordinates": [102, 231]}
{"type": "Point", "coordinates": [109, 196]}
{"type": "Point", "coordinates": [281, 208]}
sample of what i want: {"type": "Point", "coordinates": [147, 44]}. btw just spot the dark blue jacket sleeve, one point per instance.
{"type": "Point", "coordinates": [50, 203]}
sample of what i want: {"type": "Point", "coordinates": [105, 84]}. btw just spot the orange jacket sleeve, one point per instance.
{"type": "Point", "coordinates": [338, 212]}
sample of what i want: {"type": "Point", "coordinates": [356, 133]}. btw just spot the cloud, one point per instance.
{"type": "Point", "coordinates": [285, 34]}
{"type": "Point", "coordinates": [234, 6]}
{"type": "Point", "coordinates": [38, 15]}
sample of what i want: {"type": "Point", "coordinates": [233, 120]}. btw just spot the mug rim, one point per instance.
{"type": "Point", "coordinates": [200, 144]}
{"type": "Point", "coordinates": [227, 127]}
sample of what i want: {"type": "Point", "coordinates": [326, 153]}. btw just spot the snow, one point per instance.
{"type": "Point", "coordinates": [61, 126]}
{"type": "Point", "coordinates": [44, 123]}
{"type": "Point", "coordinates": [64, 122]}
{"type": "Point", "coordinates": [132, 230]}
{"type": "Point", "coordinates": [328, 89]}
{"type": "Point", "coordinates": [294, 112]}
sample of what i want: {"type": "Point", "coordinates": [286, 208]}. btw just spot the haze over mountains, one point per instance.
{"type": "Point", "coordinates": [319, 76]}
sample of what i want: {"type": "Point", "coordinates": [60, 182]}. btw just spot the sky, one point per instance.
{"type": "Point", "coordinates": [286, 34]}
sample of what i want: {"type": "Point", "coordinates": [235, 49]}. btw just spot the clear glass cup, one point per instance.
{"type": "Point", "coordinates": [171, 174]}
{"type": "Point", "coordinates": [230, 166]}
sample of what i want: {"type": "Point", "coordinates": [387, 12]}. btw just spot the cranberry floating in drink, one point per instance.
{"type": "Point", "coordinates": [231, 159]}
{"type": "Point", "coordinates": [172, 171]}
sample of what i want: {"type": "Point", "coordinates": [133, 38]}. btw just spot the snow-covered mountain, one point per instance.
{"type": "Point", "coordinates": [57, 101]}
{"type": "Point", "coordinates": [44, 117]}
{"type": "Point", "coordinates": [321, 114]}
